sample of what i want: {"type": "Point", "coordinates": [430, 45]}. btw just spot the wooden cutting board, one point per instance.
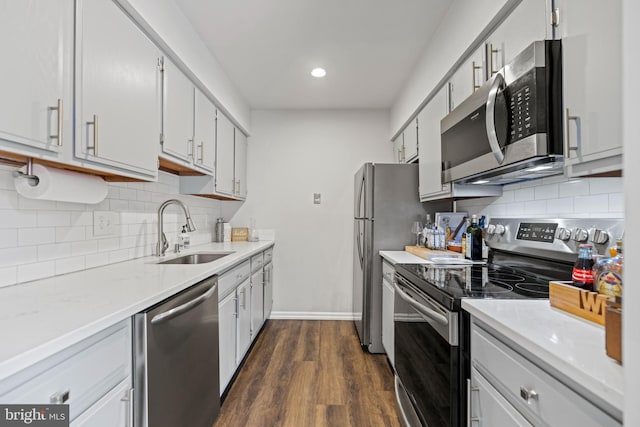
{"type": "Point", "coordinates": [427, 253]}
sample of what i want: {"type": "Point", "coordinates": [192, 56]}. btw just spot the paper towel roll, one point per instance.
{"type": "Point", "coordinates": [61, 185]}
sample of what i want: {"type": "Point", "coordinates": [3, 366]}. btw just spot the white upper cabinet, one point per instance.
{"type": "Point", "coordinates": [117, 92]}
{"type": "Point", "coordinates": [204, 132]}
{"type": "Point", "coordinates": [411, 142]}
{"type": "Point", "coordinates": [529, 22]}
{"type": "Point", "coordinates": [398, 149]}
{"type": "Point", "coordinates": [36, 42]}
{"type": "Point", "coordinates": [469, 77]}
{"type": "Point", "coordinates": [225, 181]}
{"type": "Point", "coordinates": [430, 166]}
{"type": "Point", "coordinates": [240, 161]}
{"type": "Point", "coordinates": [177, 114]}
{"type": "Point", "coordinates": [592, 53]}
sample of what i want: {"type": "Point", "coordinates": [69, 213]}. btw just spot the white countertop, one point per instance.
{"type": "Point", "coordinates": [574, 348]}
{"type": "Point", "coordinates": [40, 318]}
{"type": "Point", "coordinates": [402, 257]}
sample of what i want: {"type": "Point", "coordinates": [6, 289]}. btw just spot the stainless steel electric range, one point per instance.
{"type": "Point", "coordinates": [432, 332]}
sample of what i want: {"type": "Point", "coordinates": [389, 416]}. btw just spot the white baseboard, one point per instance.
{"type": "Point", "coordinates": [308, 315]}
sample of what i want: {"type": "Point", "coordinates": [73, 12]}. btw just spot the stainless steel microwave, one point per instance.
{"type": "Point", "coordinates": [510, 129]}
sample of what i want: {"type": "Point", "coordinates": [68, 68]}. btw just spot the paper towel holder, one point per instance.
{"type": "Point", "coordinates": [33, 179]}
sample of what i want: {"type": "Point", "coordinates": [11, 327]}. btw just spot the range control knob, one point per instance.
{"type": "Point", "coordinates": [580, 235]}
{"type": "Point", "coordinates": [600, 237]}
{"type": "Point", "coordinates": [499, 229]}
{"type": "Point", "coordinates": [563, 234]}
{"type": "Point", "coordinates": [491, 228]}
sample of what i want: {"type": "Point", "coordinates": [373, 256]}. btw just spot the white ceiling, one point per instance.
{"type": "Point", "coordinates": [268, 47]}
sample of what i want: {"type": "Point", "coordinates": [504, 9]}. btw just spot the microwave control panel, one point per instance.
{"type": "Point", "coordinates": [522, 105]}
{"type": "Point", "coordinates": [537, 232]}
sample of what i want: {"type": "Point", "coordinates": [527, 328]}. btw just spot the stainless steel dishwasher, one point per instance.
{"type": "Point", "coordinates": [176, 360]}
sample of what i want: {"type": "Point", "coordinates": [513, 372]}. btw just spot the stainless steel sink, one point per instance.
{"type": "Point", "coordinates": [196, 258]}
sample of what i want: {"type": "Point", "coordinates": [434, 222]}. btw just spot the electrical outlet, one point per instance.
{"type": "Point", "coordinates": [104, 223]}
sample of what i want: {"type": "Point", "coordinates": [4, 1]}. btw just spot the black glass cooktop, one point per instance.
{"type": "Point", "coordinates": [450, 283]}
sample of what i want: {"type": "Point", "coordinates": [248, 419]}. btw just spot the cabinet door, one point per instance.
{"type": "Point", "coordinates": [205, 132]}
{"type": "Point", "coordinates": [118, 96]}
{"type": "Point", "coordinates": [177, 113]}
{"type": "Point", "coordinates": [227, 339]}
{"type": "Point", "coordinates": [398, 149]}
{"type": "Point", "coordinates": [387, 319]}
{"type": "Point", "coordinates": [411, 142]}
{"type": "Point", "coordinates": [469, 77]}
{"type": "Point", "coordinates": [592, 53]}
{"type": "Point", "coordinates": [257, 302]}
{"type": "Point", "coordinates": [225, 181]}
{"type": "Point", "coordinates": [115, 409]}
{"type": "Point", "coordinates": [268, 290]}
{"type": "Point", "coordinates": [243, 339]}
{"type": "Point", "coordinates": [489, 407]}
{"type": "Point", "coordinates": [36, 42]}
{"type": "Point", "coordinates": [430, 166]}
{"type": "Point", "coordinates": [240, 168]}
{"type": "Point", "coordinates": [529, 22]}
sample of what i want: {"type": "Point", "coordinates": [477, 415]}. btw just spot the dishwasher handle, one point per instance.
{"type": "Point", "coordinates": [181, 309]}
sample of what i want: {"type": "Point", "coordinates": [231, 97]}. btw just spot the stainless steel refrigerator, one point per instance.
{"type": "Point", "coordinates": [386, 203]}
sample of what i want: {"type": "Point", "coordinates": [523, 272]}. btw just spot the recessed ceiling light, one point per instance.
{"type": "Point", "coordinates": [481, 181]}
{"type": "Point", "coordinates": [318, 72]}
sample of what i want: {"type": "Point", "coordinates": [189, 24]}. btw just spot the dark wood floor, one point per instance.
{"type": "Point", "coordinates": [310, 373]}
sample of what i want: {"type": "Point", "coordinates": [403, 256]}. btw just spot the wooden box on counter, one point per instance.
{"type": "Point", "coordinates": [427, 253]}
{"type": "Point", "coordinates": [613, 330]}
{"type": "Point", "coordinates": [588, 305]}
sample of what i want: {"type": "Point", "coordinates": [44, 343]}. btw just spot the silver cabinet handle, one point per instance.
{"type": "Point", "coordinates": [471, 419]}
{"type": "Point", "coordinates": [94, 123]}
{"type": "Point", "coordinates": [237, 312]}
{"type": "Point", "coordinates": [128, 400]}
{"type": "Point", "coordinates": [201, 158]}
{"type": "Point", "coordinates": [177, 311]}
{"type": "Point", "coordinates": [496, 86]}
{"type": "Point", "coordinates": [449, 97]}
{"type": "Point", "coordinates": [490, 52]}
{"type": "Point", "coordinates": [567, 144]}
{"type": "Point", "coordinates": [60, 397]}
{"type": "Point", "coordinates": [190, 149]}
{"type": "Point", "coordinates": [244, 298]}
{"type": "Point", "coordinates": [474, 68]}
{"type": "Point", "coordinates": [58, 135]}
{"type": "Point", "coordinates": [527, 394]}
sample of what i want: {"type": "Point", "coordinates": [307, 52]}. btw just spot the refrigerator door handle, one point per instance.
{"type": "Point", "coordinates": [359, 198]}
{"type": "Point", "coordinates": [359, 244]}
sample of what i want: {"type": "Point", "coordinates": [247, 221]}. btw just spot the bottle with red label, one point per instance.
{"type": "Point", "coordinates": [582, 275]}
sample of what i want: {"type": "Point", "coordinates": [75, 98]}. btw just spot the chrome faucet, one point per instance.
{"type": "Point", "coordinates": [162, 245]}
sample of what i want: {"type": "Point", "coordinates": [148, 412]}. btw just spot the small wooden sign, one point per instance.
{"type": "Point", "coordinates": [239, 234]}
{"type": "Point", "coordinates": [588, 305]}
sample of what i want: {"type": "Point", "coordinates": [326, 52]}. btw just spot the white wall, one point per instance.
{"type": "Point", "coordinates": [168, 21]}
{"type": "Point", "coordinates": [631, 112]}
{"type": "Point", "coordinates": [553, 197]}
{"type": "Point", "coordinates": [43, 238]}
{"type": "Point", "coordinates": [291, 155]}
{"type": "Point", "coordinates": [464, 21]}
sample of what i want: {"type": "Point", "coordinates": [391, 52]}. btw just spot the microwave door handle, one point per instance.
{"type": "Point", "coordinates": [497, 84]}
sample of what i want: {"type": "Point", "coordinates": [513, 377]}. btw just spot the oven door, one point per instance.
{"type": "Point", "coordinates": [427, 357]}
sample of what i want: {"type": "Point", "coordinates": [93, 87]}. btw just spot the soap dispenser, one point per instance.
{"type": "Point", "coordinates": [185, 238]}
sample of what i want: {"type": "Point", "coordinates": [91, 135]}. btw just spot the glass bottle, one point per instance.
{"type": "Point", "coordinates": [474, 240]}
{"type": "Point", "coordinates": [582, 274]}
{"type": "Point", "coordinates": [607, 273]}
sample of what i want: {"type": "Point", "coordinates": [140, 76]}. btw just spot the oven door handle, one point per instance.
{"type": "Point", "coordinates": [423, 309]}
{"type": "Point", "coordinates": [497, 84]}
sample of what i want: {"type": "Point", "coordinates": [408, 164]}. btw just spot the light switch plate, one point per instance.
{"type": "Point", "coordinates": [104, 223]}
{"type": "Point", "coordinates": [316, 198]}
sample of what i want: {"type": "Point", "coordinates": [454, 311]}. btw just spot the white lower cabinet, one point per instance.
{"type": "Point", "coordinates": [227, 338]}
{"type": "Point", "coordinates": [508, 389]}
{"type": "Point", "coordinates": [82, 376]}
{"type": "Point", "coordinates": [257, 302]}
{"type": "Point", "coordinates": [113, 410]}
{"type": "Point", "coordinates": [388, 295]}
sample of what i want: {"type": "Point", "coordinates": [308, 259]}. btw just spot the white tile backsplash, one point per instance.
{"type": "Point", "coordinates": [43, 238]}
{"type": "Point", "coordinates": [553, 197]}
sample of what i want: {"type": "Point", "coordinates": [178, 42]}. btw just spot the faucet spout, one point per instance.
{"type": "Point", "coordinates": [162, 244]}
